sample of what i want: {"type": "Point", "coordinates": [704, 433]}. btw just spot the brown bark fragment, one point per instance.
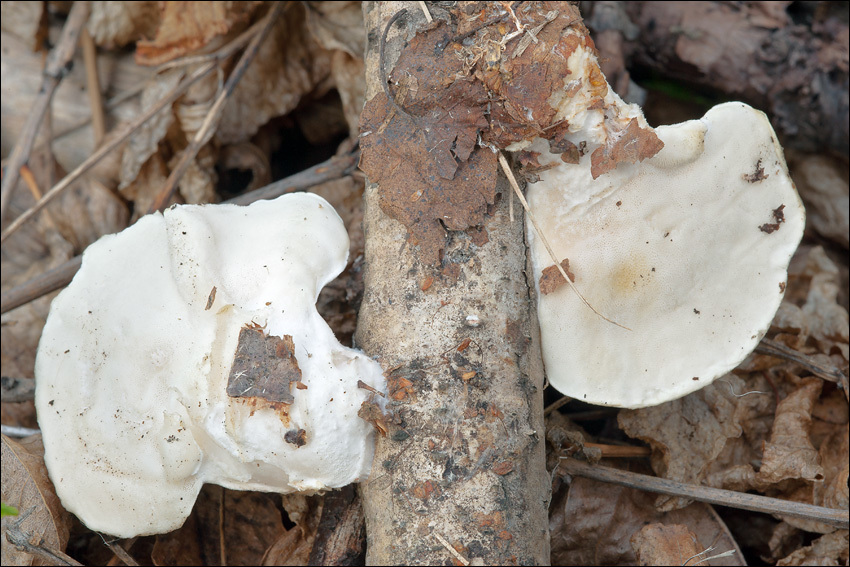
{"type": "Point", "coordinates": [551, 278]}
{"type": "Point", "coordinates": [263, 367]}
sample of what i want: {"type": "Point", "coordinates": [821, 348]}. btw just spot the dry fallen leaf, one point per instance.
{"type": "Point", "coordinates": [26, 486]}
{"type": "Point", "coordinates": [831, 549]}
{"type": "Point", "coordinates": [226, 527]}
{"type": "Point", "coordinates": [688, 434]}
{"type": "Point", "coordinates": [186, 27]}
{"type": "Point", "coordinates": [822, 182]}
{"type": "Point", "coordinates": [591, 523]}
{"type": "Point", "coordinates": [25, 20]}
{"type": "Point", "coordinates": [789, 454]}
{"type": "Point", "coordinates": [115, 24]}
{"type": "Point", "coordinates": [659, 544]}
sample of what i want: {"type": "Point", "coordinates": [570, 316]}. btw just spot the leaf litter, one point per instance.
{"type": "Point", "coordinates": [796, 449]}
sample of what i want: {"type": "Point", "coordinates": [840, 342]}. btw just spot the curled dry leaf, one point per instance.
{"type": "Point", "coordinates": [688, 434]}
{"type": "Point", "coordinates": [789, 454]}
{"type": "Point", "coordinates": [831, 549]}
{"type": "Point", "coordinates": [822, 182]}
{"type": "Point", "coordinates": [185, 27]}
{"type": "Point", "coordinates": [145, 141]}
{"type": "Point", "coordinates": [26, 486]}
{"type": "Point", "coordinates": [26, 21]}
{"type": "Point", "coordinates": [659, 544]}
{"type": "Point", "coordinates": [288, 66]}
{"type": "Point", "coordinates": [115, 24]}
{"type": "Point", "coordinates": [591, 524]}
{"type": "Point", "coordinates": [337, 26]}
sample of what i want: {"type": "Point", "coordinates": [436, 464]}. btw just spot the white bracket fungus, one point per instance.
{"type": "Point", "coordinates": [188, 349]}
{"type": "Point", "coordinates": [687, 248]}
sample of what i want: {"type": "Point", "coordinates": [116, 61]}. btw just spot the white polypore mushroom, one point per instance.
{"type": "Point", "coordinates": [688, 248]}
{"type": "Point", "coordinates": [188, 349]}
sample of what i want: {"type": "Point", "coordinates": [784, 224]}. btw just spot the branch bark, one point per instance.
{"type": "Point", "coordinates": [463, 462]}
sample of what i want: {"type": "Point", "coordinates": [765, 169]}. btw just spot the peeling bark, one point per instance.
{"type": "Point", "coordinates": [463, 461]}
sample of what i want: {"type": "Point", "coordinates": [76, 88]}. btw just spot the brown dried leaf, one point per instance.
{"type": "Point", "coordinates": [688, 434]}
{"type": "Point", "coordinates": [180, 547]}
{"type": "Point", "coordinates": [115, 24]}
{"type": "Point", "coordinates": [288, 66]}
{"type": "Point", "coordinates": [789, 454]}
{"type": "Point", "coordinates": [145, 141]}
{"type": "Point", "coordinates": [834, 456]}
{"type": "Point", "coordinates": [26, 21]}
{"type": "Point", "coordinates": [551, 278]}
{"type": "Point", "coordinates": [349, 76]}
{"type": "Point", "coordinates": [829, 324]}
{"type": "Point", "coordinates": [631, 145]}
{"type": "Point", "coordinates": [591, 524]}
{"type": "Point", "coordinates": [252, 524]}
{"type": "Point", "coordinates": [823, 185]}
{"type": "Point", "coordinates": [226, 527]}
{"type": "Point", "coordinates": [26, 486]}
{"type": "Point", "coordinates": [831, 549]}
{"type": "Point", "coordinates": [659, 544]}
{"type": "Point", "coordinates": [144, 188]}
{"type": "Point", "coordinates": [337, 26]}
{"type": "Point", "coordinates": [264, 367]}
{"type": "Point", "coordinates": [292, 547]}
{"type": "Point", "coordinates": [185, 27]}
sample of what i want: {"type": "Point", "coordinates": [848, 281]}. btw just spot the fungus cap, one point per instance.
{"type": "Point", "coordinates": [688, 249]}
{"type": "Point", "coordinates": [188, 349]}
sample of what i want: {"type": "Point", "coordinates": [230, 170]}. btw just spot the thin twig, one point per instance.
{"type": "Point", "coordinates": [98, 120]}
{"type": "Point", "coordinates": [509, 174]}
{"type": "Point", "coordinates": [40, 285]}
{"type": "Point", "coordinates": [34, 544]}
{"type": "Point", "coordinates": [328, 170]}
{"type": "Point", "coordinates": [564, 400]}
{"type": "Point", "coordinates": [58, 64]}
{"type": "Point", "coordinates": [426, 11]}
{"type": "Point", "coordinates": [113, 143]}
{"type": "Point", "coordinates": [17, 431]}
{"type": "Point", "coordinates": [207, 128]}
{"type": "Point", "coordinates": [825, 371]}
{"type": "Point", "coordinates": [121, 553]}
{"type": "Point", "coordinates": [716, 496]}
{"type": "Point", "coordinates": [28, 178]}
{"type": "Point", "coordinates": [463, 560]}
{"type": "Point", "coordinates": [619, 451]}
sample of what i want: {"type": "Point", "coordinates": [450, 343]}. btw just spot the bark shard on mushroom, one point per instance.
{"type": "Point", "coordinates": [148, 385]}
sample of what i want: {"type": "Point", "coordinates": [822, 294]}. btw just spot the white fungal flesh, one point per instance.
{"type": "Point", "coordinates": [678, 248]}
{"type": "Point", "coordinates": [132, 367]}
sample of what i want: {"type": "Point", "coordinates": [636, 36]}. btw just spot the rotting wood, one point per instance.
{"type": "Point", "coordinates": [459, 417]}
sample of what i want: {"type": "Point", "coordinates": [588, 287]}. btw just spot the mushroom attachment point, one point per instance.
{"type": "Point", "coordinates": [687, 247]}
{"type": "Point", "coordinates": [149, 384]}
